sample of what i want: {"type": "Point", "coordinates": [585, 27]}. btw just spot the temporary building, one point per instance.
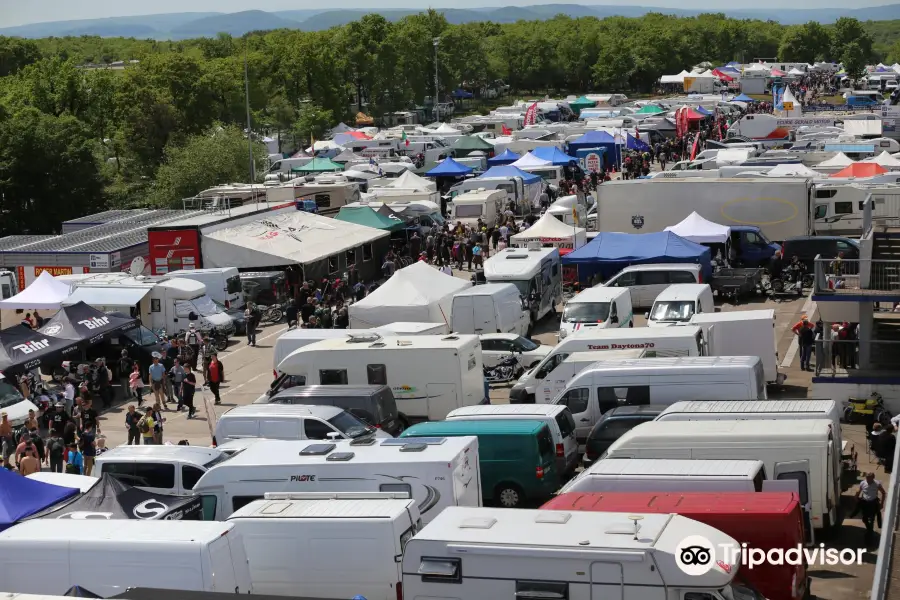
{"type": "Point", "coordinates": [467, 144]}
{"type": "Point", "coordinates": [792, 170]}
{"type": "Point", "coordinates": [594, 139]}
{"type": "Point", "coordinates": [79, 322]}
{"type": "Point", "coordinates": [21, 497]}
{"type": "Point", "coordinates": [885, 159]}
{"type": "Point", "coordinates": [369, 217]}
{"type": "Point", "coordinates": [346, 156]}
{"type": "Point", "coordinates": [553, 154]}
{"type": "Point", "coordinates": [530, 160]}
{"type": "Point", "coordinates": [679, 78]}
{"type": "Point", "coordinates": [550, 231]}
{"type": "Point", "coordinates": [318, 165]}
{"type": "Point", "coordinates": [418, 293]}
{"type": "Point", "coordinates": [609, 253]}
{"type": "Point", "coordinates": [45, 292]}
{"type": "Point", "coordinates": [696, 229]}
{"type": "Point", "coordinates": [703, 111]}
{"type": "Point", "coordinates": [20, 345]}
{"type": "Point", "coordinates": [860, 169]}
{"type": "Point", "coordinates": [410, 181]}
{"type": "Point", "coordinates": [839, 160]}
{"type": "Point", "coordinates": [449, 168]}
{"type": "Point", "coordinates": [507, 171]}
{"type": "Point", "coordinates": [582, 103]}
{"type": "Point", "coordinates": [507, 158]}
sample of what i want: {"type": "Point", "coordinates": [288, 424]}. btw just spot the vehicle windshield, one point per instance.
{"type": "Point", "coordinates": [546, 175]}
{"type": "Point", "coordinates": [9, 395]}
{"type": "Point", "coordinates": [676, 310]}
{"type": "Point", "coordinates": [350, 425]}
{"type": "Point", "coordinates": [467, 210]}
{"type": "Point", "coordinates": [586, 312]}
{"type": "Point", "coordinates": [141, 336]}
{"type": "Point", "coordinates": [206, 307]}
{"type": "Point", "coordinates": [437, 218]}
{"type": "Point", "coordinates": [524, 286]}
{"type": "Point", "coordinates": [524, 344]}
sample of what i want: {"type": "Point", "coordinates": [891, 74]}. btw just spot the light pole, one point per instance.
{"type": "Point", "coordinates": [247, 101]}
{"type": "Point", "coordinates": [436, 41]}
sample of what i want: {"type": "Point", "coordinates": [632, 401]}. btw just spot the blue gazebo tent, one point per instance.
{"type": "Point", "coordinates": [449, 168]}
{"type": "Point", "coordinates": [609, 253]}
{"type": "Point", "coordinates": [594, 139]}
{"type": "Point", "coordinates": [22, 497]}
{"type": "Point", "coordinates": [506, 158]}
{"type": "Point", "coordinates": [510, 171]}
{"type": "Point", "coordinates": [556, 156]}
{"type": "Point", "coordinates": [743, 98]}
{"type": "Point", "coordinates": [703, 111]}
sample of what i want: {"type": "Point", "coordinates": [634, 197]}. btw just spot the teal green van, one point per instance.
{"type": "Point", "coordinates": [517, 458]}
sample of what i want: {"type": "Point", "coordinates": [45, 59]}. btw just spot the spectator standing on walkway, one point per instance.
{"type": "Point", "coordinates": [131, 425]}
{"type": "Point", "coordinates": [55, 451]}
{"type": "Point", "coordinates": [805, 337]}
{"type": "Point", "coordinates": [870, 496]}
{"type": "Point", "coordinates": [157, 380]}
{"type": "Point", "coordinates": [176, 376]}
{"type": "Point", "coordinates": [215, 375]}
{"type": "Point", "coordinates": [188, 387]}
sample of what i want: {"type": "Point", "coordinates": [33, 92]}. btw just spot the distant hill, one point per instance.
{"type": "Point", "coordinates": [208, 24]}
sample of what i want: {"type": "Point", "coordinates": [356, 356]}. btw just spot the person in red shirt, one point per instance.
{"type": "Point", "coordinates": [215, 375]}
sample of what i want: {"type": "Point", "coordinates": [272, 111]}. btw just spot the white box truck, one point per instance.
{"type": "Point", "coordinates": [781, 207]}
{"type": "Point", "coordinates": [108, 557]}
{"type": "Point", "coordinates": [327, 545]}
{"type": "Point", "coordinates": [223, 284]}
{"type": "Point", "coordinates": [490, 308]}
{"type": "Point", "coordinates": [742, 333]}
{"type": "Point", "coordinates": [436, 473]}
{"type": "Point", "coordinates": [491, 553]}
{"type": "Point", "coordinates": [430, 375]}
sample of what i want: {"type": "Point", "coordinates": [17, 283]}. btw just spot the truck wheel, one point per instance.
{"type": "Point", "coordinates": [509, 495]}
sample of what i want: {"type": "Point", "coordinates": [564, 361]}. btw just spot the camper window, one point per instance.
{"type": "Point", "coordinates": [323, 200]}
{"type": "Point", "coordinates": [441, 570]}
{"type": "Point", "coordinates": [400, 488]}
{"type": "Point", "coordinates": [576, 399]}
{"type": "Point", "coordinates": [830, 193]}
{"type": "Point", "coordinates": [821, 211]}
{"type": "Point", "coordinates": [542, 590]}
{"type": "Point", "coordinates": [316, 430]}
{"type": "Point", "coordinates": [367, 252]}
{"type": "Point", "coordinates": [6, 291]}
{"type": "Point", "coordinates": [333, 377]}
{"type": "Point", "coordinates": [333, 264]}
{"type": "Point", "coordinates": [376, 374]}
{"type": "Point", "coordinates": [801, 478]}
{"type": "Point", "coordinates": [351, 257]}
{"type": "Point", "coordinates": [155, 305]}
{"type": "Point", "coordinates": [758, 480]}
{"type": "Point", "coordinates": [843, 208]}
{"type": "Point", "coordinates": [190, 476]}
{"type": "Point", "coordinates": [468, 210]}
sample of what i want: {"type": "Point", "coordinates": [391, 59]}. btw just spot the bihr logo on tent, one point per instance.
{"type": "Point", "coordinates": [30, 347]}
{"type": "Point", "coordinates": [94, 322]}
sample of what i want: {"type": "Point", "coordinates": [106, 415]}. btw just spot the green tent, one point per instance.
{"type": "Point", "coordinates": [650, 109]}
{"type": "Point", "coordinates": [581, 103]}
{"type": "Point", "coordinates": [468, 144]}
{"type": "Point", "coordinates": [369, 217]}
{"type": "Point", "coordinates": [318, 165]}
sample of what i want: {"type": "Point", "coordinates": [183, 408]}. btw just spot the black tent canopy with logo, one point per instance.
{"type": "Point", "coordinates": [22, 349]}
{"type": "Point", "coordinates": [83, 323]}
{"type": "Point", "coordinates": [112, 499]}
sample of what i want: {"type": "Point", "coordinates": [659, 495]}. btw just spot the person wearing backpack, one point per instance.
{"type": "Point", "coordinates": [131, 424]}
{"type": "Point", "coordinates": [74, 461]}
{"type": "Point", "coordinates": [55, 451]}
{"type": "Point", "coordinates": [145, 426]}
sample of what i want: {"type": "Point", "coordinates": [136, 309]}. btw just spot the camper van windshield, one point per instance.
{"type": "Point", "coordinates": [9, 395]}
{"type": "Point", "coordinates": [205, 306]}
{"type": "Point", "coordinates": [524, 286]}
{"type": "Point", "coordinates": [586, 312]}
{"type": "Point", "coordinates": [680, 310]}
{"type": "Point", "coordinates": [545, 174]}
{"type": "Point", "coordinates": [350, 425]}
{"type": "Point", "coordinates": [141, 336]}
{"type": "Point", "coordinates": [468, 210]}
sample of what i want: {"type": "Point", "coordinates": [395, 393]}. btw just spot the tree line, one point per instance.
{"type": "Point", "coordinates": [75, 140]}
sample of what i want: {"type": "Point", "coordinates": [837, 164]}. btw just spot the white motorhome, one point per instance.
{"type": "Point", "coordinates": [679, 302]}
{"type": "Point", "coordinates": [436, 473]}
{"type": "Point", "coordinates": [222, 284]}
{"type": "Point", "coordinates": [183, 555]}
{"type": "Point", "coordinates": [328, 545]}
{"type": "Point", "coordinates": [742, 333]}
{"type": "Point", "coordinates": [804, 451]}
{"type": "Point", "coordinates": [285, 165]}
{"type": "Point", "coordinates": [669, 341]}
{"type": "Point", "coordinates": [597, 308]}
{"type": "Point", "coordinates": [330, 192]}
{"type": "Point", "coordinates": [670, 475]}
{"type": "Point", "coordinates": [557, 379]}
{"type": "Point", "coordinates": [481, 204]}
{"type": "Point", "coordinates": [491, 553]}
{"type": "Point", "coordinates": [523, 195]}
{"type": "Point", "coordinates": [170, 303]}
{"type": "Point", "coordinates": [430, 375]}
{"type": "Point", "coordinates": [295, 339]}
{"type": "Point", "coordinates": [490, 308]}
{"type": "Point", "coordinates": [537, 273]}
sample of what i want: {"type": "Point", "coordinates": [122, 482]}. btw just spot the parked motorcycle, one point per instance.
{"type": "Point", "coordinates": [218, 340]}
{"type": "Point", "coordinates": [503, 372]}
{"type": "Point", "coordinates": [867, 410]}
{"type": "Point", "coordinates": [790, 282]}
{"type": "Point", "coordinates": [271, 314]}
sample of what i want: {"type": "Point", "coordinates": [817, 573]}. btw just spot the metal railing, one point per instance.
{"type": "Point", "coordinates": [881, 581]}
{"type": "Point", "coordinates": [835, 275]}
{"type": "Point", "coordinates": [840, 358]}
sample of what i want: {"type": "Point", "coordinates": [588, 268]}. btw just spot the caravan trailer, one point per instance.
{"type": "Point", "coordinates": [535, 271]}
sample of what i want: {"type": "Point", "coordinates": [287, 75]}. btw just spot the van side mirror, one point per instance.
{"type": "Point", "coordinates": [192, 316]}
{"type": "Point", "coordinates": [614, 319]}
{"type": "Point", "coordinates": [647, 315]}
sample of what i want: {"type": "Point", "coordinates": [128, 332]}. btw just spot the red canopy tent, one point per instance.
{"type": "Point", "coordinates": [861, 169]}
{"type": "Point", "coordinates": [693, 115]}
{"type": "Point", "coordinates": [778, 73]}
{"type": "Point", "coordinates": [722, 75]}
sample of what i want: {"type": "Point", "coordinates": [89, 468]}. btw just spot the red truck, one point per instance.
{"type": "Point", "coordinates": [763, 520]}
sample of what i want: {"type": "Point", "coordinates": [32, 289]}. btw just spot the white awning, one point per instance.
{"type": "Point", "coordinates": [45, 292]}
{"type": "Point", "coordinates": [107, 296]}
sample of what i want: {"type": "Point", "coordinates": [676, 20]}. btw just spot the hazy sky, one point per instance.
{"type": "Point", "coordinates": [19, 12]}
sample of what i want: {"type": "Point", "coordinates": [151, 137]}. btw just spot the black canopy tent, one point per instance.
{"type": "Point", "coordinates": [22, 349]}
{"type": "Point", "coordinates": [112, 499]}
{"type": "Point", "coordinates": [82, 323]}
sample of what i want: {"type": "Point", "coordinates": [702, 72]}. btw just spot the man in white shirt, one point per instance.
{"type": "Point", "coordinates": [69, 395]}
{"type": "Point", "coordinates": [869, 504]}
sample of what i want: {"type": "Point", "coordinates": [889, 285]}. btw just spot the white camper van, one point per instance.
{"type": "Point", "coordinates": [679, 302]}
{"type": "Point", "coordinates": [557, 379]}
{"type": "Point", "coordinates": [291, 422]}
{"type": "Point", "coordinates": [491, 308]}
{"type": "Point", "coordinates": [483, 204]}
{"type": "Point", "coordinates": [597, 308]}
{"type": "Point", "coordinates": [743, 333]}
{"type": "Point", "coordinates": [670, 341]}
{"type": "Point", "coordinates": [670, 475]}
{"type": "Point", "coordinates": [796, 450]}
{"type": "Point", "coordinates": [491, 553]}
{"type": "Point", "coordinates": [436, 473]}
{"type": "Point", "coordinates": [430, 375]}
{"type": "Point", "coordinates": [189, 555]}
{"type": "Point", "coordinates": [535, 271]}
{"type": "Point", "coordinates": [328, 545]}
{"type": "Point", "coordinates": [222, 284]}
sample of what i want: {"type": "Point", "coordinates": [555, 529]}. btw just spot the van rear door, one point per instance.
{"type": "Point", "coordinates": [464, 314]}
{"type": "Point", "coordinates": [221, 575]}
{"type": "Point", "coordinates": [798, 470]}
{"type": "Point", "coordinates": [485, 315]}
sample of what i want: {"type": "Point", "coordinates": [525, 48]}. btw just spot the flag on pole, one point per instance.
{"type": "Point", "coordinates": [531, 115]}
{"type": "Point", "coordinates": [696, 146]}
{"type": "Point", "coordinates": [505, 130]}
{"type": "Point", "coordinates": [403, 137]}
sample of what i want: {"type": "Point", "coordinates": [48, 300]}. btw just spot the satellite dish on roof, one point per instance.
{"type": "Point", "coordinates": [137, 266]}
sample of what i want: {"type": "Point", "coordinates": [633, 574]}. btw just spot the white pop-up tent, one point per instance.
{"type": "Point", "coordinates": [46, 292]}
{"type": "Point", "coordinates": [886, 160]}
{"type": "Point", "coordinates": [548, 230]}
{"type": "Point", "coordinates": [418, 293]}
{"type": "Point", "coordinates": [530, 160]}
{"type": "Point", "coordinates": [792, 170]}
{"type": "Point", "coordinates": [679, 78]}
{"type": "Point", "coordinates": [701, 231]}
{"type": "Point", "coordinates": [838, 161]}
{"type": "Point", "coordinates": [410, 181]}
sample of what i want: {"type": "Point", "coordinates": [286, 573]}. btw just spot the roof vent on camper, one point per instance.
{"type": "Point", "coordinates": [340, 457]}
{"type": "Point", "coordinates": [402, 343]}
{"type": "Point", "coordinates": [363, 441]}
{"type": "Point", "coordinates": [363, 338]}
{"type": "Point", "coordinates": [450, 338]}
{"type": "Point", "coordinates": [478, 523]}
{"type": "Point", "coordinates": [275, 508]}
{"type": "Point", "coordinates": [377, 345]}
{"type": "Point", "coordinates": [317, 449]}
{"type": "Point", "coordinates": [413, 447]}
{"type": "Point", "coordinates": [428, 441]}
{"type": "Point", "coordinates": [557, 518]}
{"type": "Point", "coordinates": [627, 529]}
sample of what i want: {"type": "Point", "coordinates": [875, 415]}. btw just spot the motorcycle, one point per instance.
{"type": "Point", "coordinates": [790, 282]}
{"type": "Point", "coordinates": [218, 340]}
{"type": "Point", "coordinates": [867, 410]}
{"type": "Point", "coordinates": [271, 314]}
{"type": "Point", "coordinates": [503, 372]}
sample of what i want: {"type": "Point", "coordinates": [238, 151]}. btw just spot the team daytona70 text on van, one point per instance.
{"type": "Point", "coordinates": [642, 346]}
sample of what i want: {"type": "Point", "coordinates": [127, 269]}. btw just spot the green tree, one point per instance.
{"type": "Point", "coordinates": [847, 31]}
{"type": "Point", "coordinates": [854, 61]}
{"type": "Point", "coordinates": [204, 160]}
{"type": "Point", "coordinates": [16, 53]}
{"type": "Point", "coordinates": [312, 120]}
{"type": "Point", "coordinates": [808, 43]}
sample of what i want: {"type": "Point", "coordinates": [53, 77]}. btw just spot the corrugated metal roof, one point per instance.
{"type": "Point", "coordinates": [12, 242]}
{"type": "Point", "coordinates": [108, 215]}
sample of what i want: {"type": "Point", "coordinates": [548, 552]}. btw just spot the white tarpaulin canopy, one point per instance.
{"type": "Point", "coordinates": [530, 160]}
{"type": "Point", "coordinates": [674, 78]}
{"type": "Point", "coordinates": [885, 159]}
{"type": "Point", "coordinates": [417, 293]}
{"type": "Point", "coordinates": [411, 181]}
{"type": "Point", "coordinates": [792, 170]}
{"type": "Point", "coordinates": [445, 129]}
{"type": "Point", "coordinates": [838, 160]}
{"type": "Point", "coordinates": [284, 237]}
{"type": "Point", "coordinates": [700, 231]}
{"type": "Point", "coordinates": [45, 292]}
{"type": "Point", "coordinates": [550, 230]}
